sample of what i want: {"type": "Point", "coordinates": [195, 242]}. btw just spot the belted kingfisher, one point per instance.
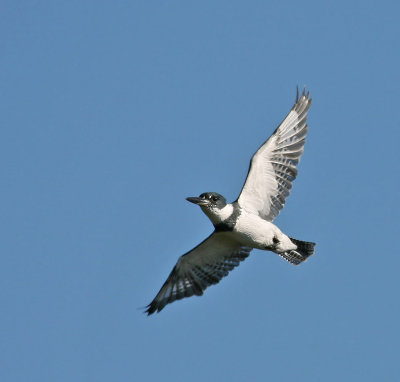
{"type": "Point", "coordinates": [247, 222]}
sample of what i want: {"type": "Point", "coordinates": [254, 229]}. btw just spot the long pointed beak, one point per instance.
{"type": "Point", "coordinates": [196, 200]}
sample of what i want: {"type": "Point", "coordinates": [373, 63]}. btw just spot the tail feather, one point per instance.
{"type": "Point", "coordinates": [301, 253]}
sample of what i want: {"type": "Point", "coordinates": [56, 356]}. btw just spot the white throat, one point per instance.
{"type": "Point", "coordinates": [218, 215]}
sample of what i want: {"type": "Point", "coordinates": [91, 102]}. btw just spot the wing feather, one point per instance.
{"type": "Point", "coordinates": [273, 167]}
{"type": "Point", "coordinates": [195, 271]}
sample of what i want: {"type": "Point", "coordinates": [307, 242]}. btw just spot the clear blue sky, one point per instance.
{"type": "Point", "coordinates": [112, 112]}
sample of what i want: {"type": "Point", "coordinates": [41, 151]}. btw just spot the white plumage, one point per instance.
{"type": "Point", "coordinates": [246, 223]}
{"type": "Point", "coordinates": [274, 166]}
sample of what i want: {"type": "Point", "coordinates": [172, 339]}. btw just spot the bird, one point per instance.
{"type": "Point", "coordinates": [247, 223]}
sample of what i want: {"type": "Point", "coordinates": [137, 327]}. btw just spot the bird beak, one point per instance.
{"type": "Point", "coordinates": [198, 201]}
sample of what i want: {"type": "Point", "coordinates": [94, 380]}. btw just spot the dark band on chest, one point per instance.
{"type": "Point", "coordinates": [229, 223]}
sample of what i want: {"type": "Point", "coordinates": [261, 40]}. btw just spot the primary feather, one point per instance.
{"type": "Point", "coordinates": [273, 167]}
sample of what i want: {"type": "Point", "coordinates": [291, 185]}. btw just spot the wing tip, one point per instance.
{"type": "Point", "coordinates": [152, 308]}
{"type": "Point", "coordinates": [305, 96]}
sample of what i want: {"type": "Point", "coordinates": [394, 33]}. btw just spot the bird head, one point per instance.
{"type": "Point", "coordinates": [213, 205]}
{"type": "Point", "coordinates": [209, 201]}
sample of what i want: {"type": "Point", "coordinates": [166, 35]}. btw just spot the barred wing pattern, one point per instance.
{"type": "Point", "coordinates": [273, 167]}
{"type": "Point", "coordinates": [203, 266]}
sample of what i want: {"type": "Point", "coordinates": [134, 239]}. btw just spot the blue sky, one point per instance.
{"type": "Point", "coordinates": [112, 112]}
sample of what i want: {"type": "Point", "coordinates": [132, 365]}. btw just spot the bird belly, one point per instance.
{"type": "Point", "coordinates": [253, 231]}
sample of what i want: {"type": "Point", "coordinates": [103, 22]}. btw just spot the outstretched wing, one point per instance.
{"type": "Point", "coordinates": [273, 167]}
{"type": "Point", "coordinates": [203, 266]}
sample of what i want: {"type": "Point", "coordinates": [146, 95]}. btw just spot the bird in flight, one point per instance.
{"type": "Point", "coordinates": [247, 222]}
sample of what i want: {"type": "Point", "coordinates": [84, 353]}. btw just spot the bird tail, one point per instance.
{"type": "Point", "coordinates": [301, 253]}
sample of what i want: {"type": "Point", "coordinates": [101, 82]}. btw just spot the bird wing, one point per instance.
{"type": "Point", "coordinates": [201, 267]}
{"type": "Point", "coordinates": [273, 167]}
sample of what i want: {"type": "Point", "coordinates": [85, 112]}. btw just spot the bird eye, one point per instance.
{"type": "Point", "coordinates": [214, 198]}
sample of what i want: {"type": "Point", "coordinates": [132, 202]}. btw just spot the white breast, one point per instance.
{"type": "Point", "coordinates": [254, 231]}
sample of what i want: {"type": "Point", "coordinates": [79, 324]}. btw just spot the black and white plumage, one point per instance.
{"type": "Point", "coordinates": [246, 223]}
